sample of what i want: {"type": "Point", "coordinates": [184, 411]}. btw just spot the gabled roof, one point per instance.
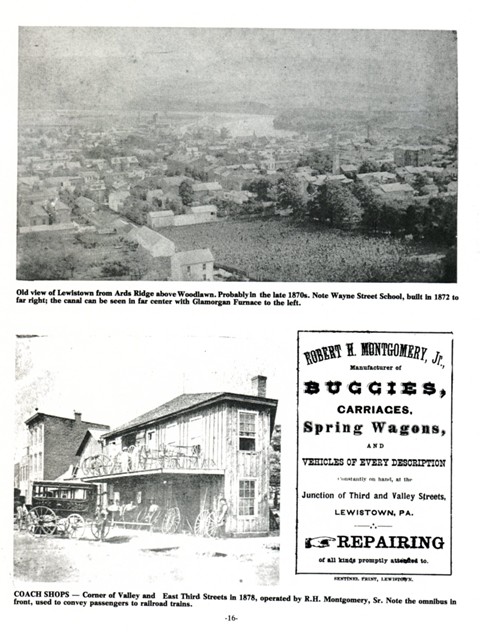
{"type": "Point", "coordinates": [88, 424]}
{"type": "Point", "coordinates": [189, 402]}
{"type": "Point", "coordinates": [207, 186]}
{"type": "Point", "coordinates": [95, 434]}
{"type": "Point", "coordinates": [84, 201]}
{"type": "Point", "coordinates": [396, 187]}
{"type": "Point", "coordinates": [189, 257]}
{"type": "Point", "coordinates": [147, 237]}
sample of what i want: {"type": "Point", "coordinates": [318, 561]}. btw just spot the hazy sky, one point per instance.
{"type": "Point", "coordinates": [114, 379]}
{"type": "Point", "coordinates": [113, 67]}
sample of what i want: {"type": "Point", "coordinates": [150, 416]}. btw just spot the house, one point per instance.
{"type": "Point", "coordinates": [192, 265]}
{"type": "Point", "coordinates": [155, 244]}
{"type": "Point", "coordinates": [198, 449]}
{"type": "Point", "coordinates": [414, 156]}
{"type": "Point", "coordinates": [86, 205]}
{"type": "Point", "coordinates": [204, 213]}
{"type": "Point", "coordinates": [350, 171]}
{"type": "Point", "coordinates": [62, 212]}
{"type": "Point", "coordinates": [116, 199]}
{"type": "Point", "coordinates": [159, 219]}
{"type": "Point", "coordinates": [430, 189]}
{"type": "Point", "coordinates": [32, 215]}
{"type": "Point", "coordinates": [238, 197]}
{"type": "Point", "coordinates": [452, 187]}
{"type": "Point", "coordinates": [53, 442]}
{"type": "Point", "coordinates": [395, 191]}
{"type": "Point", "coordinates": [384, 177]}
{"type": "Point", "coordinates": [204, 191]}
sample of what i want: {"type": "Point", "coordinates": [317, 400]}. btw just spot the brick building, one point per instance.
{"type": "Point", "coordinates": [53, 443]}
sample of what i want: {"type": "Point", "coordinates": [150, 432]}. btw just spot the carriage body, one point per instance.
{"type": "Point", "coordinates": [61, 507]}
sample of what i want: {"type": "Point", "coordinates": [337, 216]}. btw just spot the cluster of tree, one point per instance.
{"type": "Point", "coordinates": [46, 260]}
{"type": "Point", "coordinates": [333, 204]}
{"type": "Point", "coordinates": [185, 191]}
{"type": "Point", "coordinates": [359, 207]}
{"type": "Point", "coordinates": [371, 166]}
{"type": "Point", "coordinates": [285, 192]}
{"type": "Point", "coordinates": [197, 174]}
{"type": "Point", "coordinates": [317, 159]}
{"type": "Point", "coordinates": [261, 187]}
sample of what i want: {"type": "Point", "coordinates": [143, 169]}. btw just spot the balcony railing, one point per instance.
{"type": "Point", "coordinates": [138, 459]}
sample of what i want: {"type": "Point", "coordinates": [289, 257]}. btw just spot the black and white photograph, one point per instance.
{"type": "Point", "coordinates": [237, 154]}
{"type": "Point", "coordinates": [173, 472]}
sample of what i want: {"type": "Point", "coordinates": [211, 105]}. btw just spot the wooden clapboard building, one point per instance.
{"type": "Point", "coordinates": [191, 453]}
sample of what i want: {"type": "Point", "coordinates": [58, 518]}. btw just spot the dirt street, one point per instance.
{"type": "Point", "coordinates": [143, 557]}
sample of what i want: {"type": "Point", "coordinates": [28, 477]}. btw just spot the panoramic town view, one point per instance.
{"type": "Point", "coordinates": [237, 155]}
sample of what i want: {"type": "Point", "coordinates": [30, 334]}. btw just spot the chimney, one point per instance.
{"type": "Point", "coordinates": [259, 385]}
{"type": "Point", "coordinates": [78, 416]}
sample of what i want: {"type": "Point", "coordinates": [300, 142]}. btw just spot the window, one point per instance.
{"type": "Point", "coordinates": [246, 430]}
{"type": "Point", "coordinates": [246, 497]}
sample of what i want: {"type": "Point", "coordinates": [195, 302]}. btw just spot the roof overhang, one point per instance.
{"type": "Point", "coordinates": [163, 471]}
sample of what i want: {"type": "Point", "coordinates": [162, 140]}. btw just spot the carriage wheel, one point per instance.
{"type": "Point", "coordinates": [100, 464]}
{"type": "Point", "coordinates": [87, 466]}
{"type": "Point", "coordinates": [171, 521]}
{"type": "Point", "coordinates": [200, 521]}
{"type": "Point", "coordinates": [75, 526]}
{"type": "Point", "coordinates": [157, 522]}
{"type": "Point", "coordinates": [98, 524]}
{"type": "Point", "coordinates": [206, 524]}
{"type": "Point", "coordinates": [142, 514]}
{"type": "Point", "coordinates": [42, 520]}
{"type": "Point", "coordinates": [211, 525]}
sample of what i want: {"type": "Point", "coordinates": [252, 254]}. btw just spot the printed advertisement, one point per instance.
{"type": "Point", "coordinates": [374, 453]}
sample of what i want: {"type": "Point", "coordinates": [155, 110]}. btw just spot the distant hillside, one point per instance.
{"type": "Point", "coordinates": [190, 105]}
{"type": "Point", "coordinates": [319, 120]}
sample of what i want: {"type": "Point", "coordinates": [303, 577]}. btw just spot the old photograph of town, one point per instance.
{"type": "Point", "coordinates": [207, 154]}
{"type": "Point", "coordinates": [174, 472]}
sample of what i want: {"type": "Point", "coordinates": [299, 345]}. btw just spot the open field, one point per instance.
{"type": "Point", "coordinates": [280, 249]}
{"type": "Point", "coordinates": [264, 249]}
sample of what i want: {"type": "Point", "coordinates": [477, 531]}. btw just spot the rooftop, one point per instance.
{"type": "Point", "coordinates": [189, 257]}
{"type": "Point", "coordinates": [187, 402]}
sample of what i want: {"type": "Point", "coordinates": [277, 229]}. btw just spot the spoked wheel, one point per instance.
{"type": "Point", "coordinates": [211, 525]}
{"type": "Point", "coordinates": [99, 464]}
{"type": "Point", "coordinates": [142, 514]}
{"type": "Point", "coordinates": [205, 524]}
{"type": "Point", "coordinates": [42, 521]}
{"type": "Point", "coordinates": [101, 527]}
{"type": "Point", "coordinates": [86, 466]}
{"type": "Point", "coordinates": [171, 520]}
{"type": "Point", "coordinates": [157, 521]}
{"type": "Point", "coordinates": [74, 526]}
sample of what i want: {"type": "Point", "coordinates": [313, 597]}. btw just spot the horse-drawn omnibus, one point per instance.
{"type": "Point", "coordinates": [63, 507]}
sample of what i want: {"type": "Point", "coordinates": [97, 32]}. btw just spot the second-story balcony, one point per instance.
{"type": "Point", "coordinates": [141, 459]}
